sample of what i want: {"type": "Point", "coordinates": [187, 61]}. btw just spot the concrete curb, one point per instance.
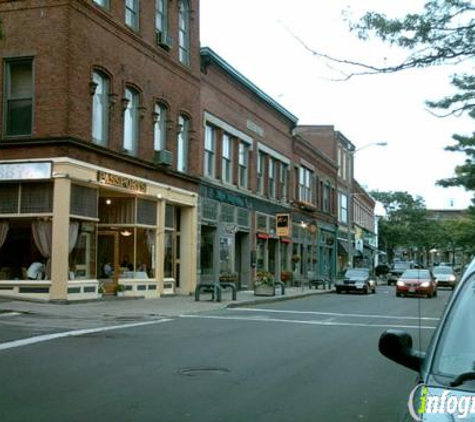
{"type": "Point", "coordinates": [274, 299]}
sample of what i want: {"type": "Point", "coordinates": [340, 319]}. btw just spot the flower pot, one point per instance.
{"type": "Point", "coordinates": [264, 290]}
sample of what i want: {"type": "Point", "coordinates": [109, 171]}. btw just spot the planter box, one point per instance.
{"type": "Point", "coordinates": [264, 290]}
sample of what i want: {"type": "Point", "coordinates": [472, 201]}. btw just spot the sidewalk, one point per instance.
{"type": "Point", "coordinates": [166, 306]}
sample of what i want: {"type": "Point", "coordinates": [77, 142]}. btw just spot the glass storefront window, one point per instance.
{"type": "Point", "coordinates": [82, 259]}
{"type": "Point", "coordinates": [260, 255]}
{"type": "Point", "coordinates": [169, 248]}
{"type": "Point", "coordinates": [226, 255]}
{"type": "Point", "coordinates": [206, 252]}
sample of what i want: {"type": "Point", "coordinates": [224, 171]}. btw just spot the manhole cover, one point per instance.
{"type": "Point", "coordinates": [196, 372]}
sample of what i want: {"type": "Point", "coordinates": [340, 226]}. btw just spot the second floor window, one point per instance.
{"type": "Point", "coordinates": [160, 127]}
{"type": "Point", "coordinates": [226, 166]}
{"type": "Point", "coordinates": [343, 214]}
{"type": "Point", "coordinates": [132, 13]}
{"type": "Point", "coordinates": [161, 20]}
{"type": "Point", "coordinates": [243, 165]}
{"type": "Point", "coordinates": [271, 178]}
{"type": "Point", "coordinates": [102, 3]}
{"type": "Point", "coordinates": [184, 32]}
{"type": "Point", "coordinates": [210, 147]}
{"type": "Point", "coordinates": [182, 144]}
{"type": "Point", "coordinates": [284, 182]}
{"type": "Point", "coordinates": [131, 121]}
{"type": "Point", "coordinates": [305, 185]}
{"type": "Point", "coordinates": [18, 97]}
{"type": "Point", "coordinates": [326, 198]}
{"type": "Point", "coordinates": [260, 173]}
{"type": "Point", "coordinates": [100, 108]}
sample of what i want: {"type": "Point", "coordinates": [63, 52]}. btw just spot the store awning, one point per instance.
{"type": "Point", "coordinates": [342, 247]}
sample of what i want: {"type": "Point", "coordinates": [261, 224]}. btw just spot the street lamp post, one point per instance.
{"type": "Point", "coordinates": [350, 201]}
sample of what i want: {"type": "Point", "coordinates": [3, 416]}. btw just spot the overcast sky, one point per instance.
{"type": "Point", "coordinates": [259, 39]}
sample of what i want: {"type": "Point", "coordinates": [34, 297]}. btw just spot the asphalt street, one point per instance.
{"type": "Point", "coordinates": [310, 359]}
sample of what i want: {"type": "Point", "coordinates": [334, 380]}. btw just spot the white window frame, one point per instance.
{"type": "Point", "coordinates": [343, 212]}
{"type": "Point", "coordinates": [100, 108]}
{"type": "Point", "coordinates": [226, 159]}
{"type": "Point", "coordinates": [305, 185]}
{"type": "Point", "coordinates": [243, 165]}
{"type": "Point", "coordinates": [184, 32]}
{"type": "Point", "coordinates": [132, 14]}
{"type": "Point", "coordinates": [161, 16]}
{"type": "Point", "coordinates": [210, 151]}
{"type": "Point", "coordinates": [260, 173]}
{"type": "Point", "coordinates": [160, 127]}
{"type": "Point", "coordinates": [102, 3]}
{"type": "Point", "coordinates": [131, 121]}
{"type": "Point", "coordinates": [284, 182]}
{"type": "Point", "coordinates": [182, 144]}
{"type": "Point", "coordinates": [271, 179]}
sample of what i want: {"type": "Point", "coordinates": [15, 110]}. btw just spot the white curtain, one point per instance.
{"type": "Point", "coordinates": [150, 237]}
{"type": "Point", "coordinates": [73, 234]}
{"type": "Point", "coordinates": [42, 235]}
{"type": "Point", "coordinates": [3, 232]}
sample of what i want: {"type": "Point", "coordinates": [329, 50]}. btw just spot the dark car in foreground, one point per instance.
{"type": "Point", "coordinates": [445, 276]}
{"type": "Point", "coordinates": [357, 280]}
{"type": "Point", "coordinates": [445, 390]}
{"type": "Point", "coordinates": [416, 282]}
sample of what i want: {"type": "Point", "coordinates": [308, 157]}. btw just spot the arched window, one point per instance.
{"type": "Point", "coordinates": [182, 143]}
{"type": "Point", "coordinates": [100, 108]}
{"type": "Point", "coordinates": [131, 121]}
{"type": "Point", "coordinates": [184, 32]}
{"type": "Point", "coordinates": [160, 127]}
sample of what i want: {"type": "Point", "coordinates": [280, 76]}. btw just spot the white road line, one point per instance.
{"type": "Point", "coordinates": [9, 314]}
{"type": "Point", "coordinates": [279, 311]}
{"type": "Point", "coordinates": [74, 333]}
{"type": "Point", "coordinates": [292, 321]}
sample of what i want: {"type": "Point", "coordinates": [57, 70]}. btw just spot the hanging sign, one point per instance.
{"type": "Point", "coordinates": [282, 223]}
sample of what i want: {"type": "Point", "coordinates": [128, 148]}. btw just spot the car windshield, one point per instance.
{"type": "Point", "coordinates": [357, 272]}
{"type": "Point", "coordinates": [442, 270]}
{"type": "Point", "coordinates": [416, 274]}
{"type": "Point", "coordinates": [455, 351]}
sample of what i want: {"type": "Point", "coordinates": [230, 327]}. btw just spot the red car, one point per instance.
{"type": "Point", "coordinates": [416, 282]}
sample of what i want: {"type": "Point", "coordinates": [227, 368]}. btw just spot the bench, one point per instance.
{"type": "Point", "coordinates": [318, 281]}
{"type": "Point", "coordinates": [216, 290]}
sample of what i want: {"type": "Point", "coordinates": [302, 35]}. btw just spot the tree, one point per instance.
{"type": "Point", "coordinates": [406, 224]}
{"type": "Point", "coordinates": [444, 33]}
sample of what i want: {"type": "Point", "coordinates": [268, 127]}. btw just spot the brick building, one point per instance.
{"type": "Point", "coordinates": [100, 114]}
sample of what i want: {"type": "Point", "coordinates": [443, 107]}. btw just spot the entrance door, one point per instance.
{"type": "Point", "coordinates": [108, 260]}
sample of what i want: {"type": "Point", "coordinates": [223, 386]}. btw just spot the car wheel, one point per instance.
{"type": "Point", "coordinates": [365, 290]}
{"type": "Point", "coordinates": [338, 290]}
{"type": "Point", "coordinates": [398, 294]}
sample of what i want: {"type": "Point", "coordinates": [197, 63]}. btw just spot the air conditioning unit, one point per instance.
{"type": "Point", "coordinates": [164, 40]}
{"type": "Point", "coordinates": [163, 157]}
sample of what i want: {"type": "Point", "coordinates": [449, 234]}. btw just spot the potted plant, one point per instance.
{"type": "Point", "coordinates": [119, 290]}
{"type": "Point", "coordinates": [100, 290]}
{"type": "Point", "coordinates": [286, 275]}
{"type": "Point", "coordinates": [264, 284]}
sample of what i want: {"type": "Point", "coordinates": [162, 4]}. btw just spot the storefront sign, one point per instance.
{"type": "Point", "coordinates": [25, 171]}
{"type": "Point", "coordinates": [120, 181]}
{"type": "Point", "coordinates": [282, 222]}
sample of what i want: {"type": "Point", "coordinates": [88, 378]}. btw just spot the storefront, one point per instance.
{"type": "Point", "coordinates": [224, 238]}
{"type": "Point", "coordinates": [73, 231]}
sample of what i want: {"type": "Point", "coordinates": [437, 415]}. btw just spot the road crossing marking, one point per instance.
{"type": "Point", "coordinates": [281, 311]}
{"type": "Point", "coordinates": [294, 321]}
{"type": "Point", "coordinates": [74, 333]}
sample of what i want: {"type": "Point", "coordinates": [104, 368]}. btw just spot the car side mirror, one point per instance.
{"type": "Point", "coordinates": [397, 346]}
